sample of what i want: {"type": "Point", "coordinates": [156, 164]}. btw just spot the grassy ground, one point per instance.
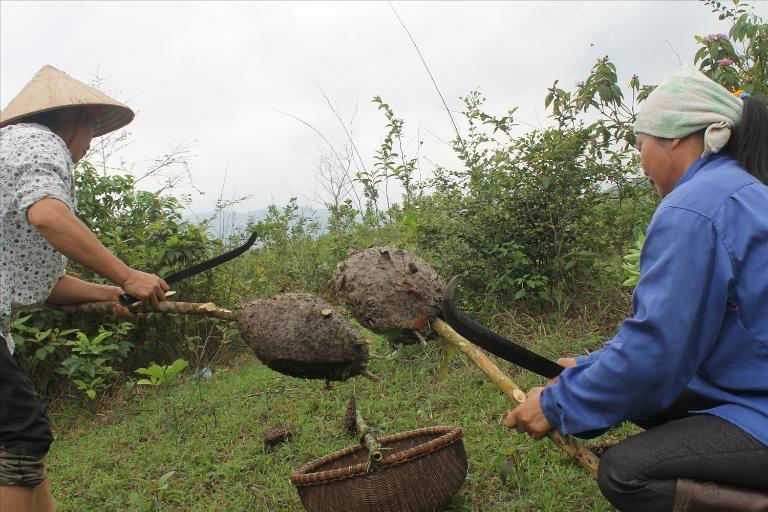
{"type": "Point", "coordinates": [208, 434]}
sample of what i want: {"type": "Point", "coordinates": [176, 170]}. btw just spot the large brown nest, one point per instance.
{"type": "Point", "coordinates": [303, 336]}
{"type": "Point", "coordinates": [389, 288]}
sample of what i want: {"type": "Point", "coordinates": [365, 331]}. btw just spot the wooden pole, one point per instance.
{"type": "Point", "coordinates": [370, 441]}
{"type": "Point", "coordinates": [185, 308]}
{"type": "Point", "coordinates": [573, 448]}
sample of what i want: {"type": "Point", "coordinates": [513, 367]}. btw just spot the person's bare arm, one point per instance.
{"type": "Point", "coordinates": [64, 231]}
{"type": "Point", "coordinates": [71, 290]}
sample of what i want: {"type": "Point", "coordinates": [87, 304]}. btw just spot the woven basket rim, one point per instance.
{"type": "Point", "coordinates": [305, 475]}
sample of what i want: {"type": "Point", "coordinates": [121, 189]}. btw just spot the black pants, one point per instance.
{"type": "Point", "coordinates": [24, 426]}
{"type": "Point", "coordinates": [640, 474]}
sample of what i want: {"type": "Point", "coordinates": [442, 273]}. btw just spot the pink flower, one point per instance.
{"type": "Point", "coordinates": [579, 85]}
{"type": "Point", "coordinates": [725, 62]}
{"type": "Point", "coordinates": [716, 37]}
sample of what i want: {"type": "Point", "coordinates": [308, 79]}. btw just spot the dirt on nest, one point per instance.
{"type": "Point", "coordinates": [303, 336]}
{"type": "Point", "coordinates": [389, 288]}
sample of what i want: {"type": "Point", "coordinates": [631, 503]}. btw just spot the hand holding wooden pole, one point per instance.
{"type": "Point", "coordinates": [573, 448]}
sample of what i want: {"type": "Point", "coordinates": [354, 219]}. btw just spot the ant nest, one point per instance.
{"type": "Point", "coordinates": [389, 288]}
{"type": "Point", "coordinates": [303, 336]}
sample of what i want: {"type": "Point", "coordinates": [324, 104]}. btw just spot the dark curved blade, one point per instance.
{"type": "Point", "coordinates": [126, 299]}
{"type": "Point", "coordinates": [494, 343]}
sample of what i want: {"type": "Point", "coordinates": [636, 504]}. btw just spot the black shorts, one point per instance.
{"type": "Point", "coordinates": [24, 426]}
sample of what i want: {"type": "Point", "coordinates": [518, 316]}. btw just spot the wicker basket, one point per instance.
{"type": "Point", "coordinates": [421, 471]}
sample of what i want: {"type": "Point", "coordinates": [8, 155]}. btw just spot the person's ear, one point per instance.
{"type": "Point", "coordinates": [675, 143]}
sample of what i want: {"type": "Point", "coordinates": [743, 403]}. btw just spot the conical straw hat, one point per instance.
{"type": "Point", "coordinates": [51, 89]}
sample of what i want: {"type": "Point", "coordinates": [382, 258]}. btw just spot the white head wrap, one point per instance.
{"type": "Point", "coordinates": [687, 103]}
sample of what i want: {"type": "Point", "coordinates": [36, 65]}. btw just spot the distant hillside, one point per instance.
{"type": "Point", "coordinates": [229, 222]}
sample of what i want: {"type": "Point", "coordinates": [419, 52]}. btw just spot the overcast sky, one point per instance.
{"type": "Point", "coordinates": [220, 74]}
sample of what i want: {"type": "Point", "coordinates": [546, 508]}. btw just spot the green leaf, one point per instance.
{"type": "Point", "coordinates": [175, 368]}
{"type": "Point", "coordinates": [699, 54]}
{"type": "Point", "coordinates": [42, 353]}
{"type": "Point", "coordinates": [154, 370]}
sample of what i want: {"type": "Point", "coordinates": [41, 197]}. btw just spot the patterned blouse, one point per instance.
{"type": "Point", "coordinates": [34, 164]}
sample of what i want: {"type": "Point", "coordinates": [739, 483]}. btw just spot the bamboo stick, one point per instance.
{"type": "Point", "coordinates": [370, 441]}
{"type": "Point", "coordinates": [573, 448]}
{"type": "Point", "coordinates": [185, 308]}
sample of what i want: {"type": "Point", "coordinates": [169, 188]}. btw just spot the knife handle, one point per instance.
{"type": "Point", "coordinates": [127, 299]}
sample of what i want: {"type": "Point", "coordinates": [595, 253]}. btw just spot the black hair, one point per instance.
{"type": "Point", "coordinates": [749, 140]}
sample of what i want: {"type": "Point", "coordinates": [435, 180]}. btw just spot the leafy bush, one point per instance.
{"type": "Point", "coordinates": [743, 65]}
{"type": "Point", "coordinates": [526, 214]}
{"type": "Point", "coordinates": [85, 360]}
{"type": "Point", "coordinates": [144, 229]}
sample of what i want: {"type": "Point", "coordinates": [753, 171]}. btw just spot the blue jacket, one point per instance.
{"type": "Point", "coordinates": [700, 313]}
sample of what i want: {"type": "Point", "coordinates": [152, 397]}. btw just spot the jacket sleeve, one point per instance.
{"type": "Point", "coordinates": [592, 356]}
{"type": "Point", "coordinates": [679, 305]}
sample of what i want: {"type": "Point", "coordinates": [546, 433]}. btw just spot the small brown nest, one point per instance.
{"type": "Point", "coordinates": [421, 471]}
{"type": "Point", "coordinates": [277, 435]}
{"type": "Point", "coordinates": [389, 288]}
{"type": "Point", "coordinates": [303, 336]}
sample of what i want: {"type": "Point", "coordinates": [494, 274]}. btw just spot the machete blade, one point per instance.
{"type": "Point", "coordinates": [126, 299]}
{"type": "Point", "coordinates": [494, 343]}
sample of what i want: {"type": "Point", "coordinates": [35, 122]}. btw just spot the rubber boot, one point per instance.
{"type": "Point", "coordinates": [693, 496]}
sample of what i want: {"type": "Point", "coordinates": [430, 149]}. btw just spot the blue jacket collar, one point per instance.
{"type": "Point", "coordinates": [696, 166]}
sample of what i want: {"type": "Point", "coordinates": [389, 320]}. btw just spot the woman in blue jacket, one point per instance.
{"type": "Point", "coordinates": [691, 364]}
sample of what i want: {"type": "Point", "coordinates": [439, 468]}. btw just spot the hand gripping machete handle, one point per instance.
{"type": "Point", "coordinates": [127, 299]}
{"type": "Point", "coordinates": [494, 343]}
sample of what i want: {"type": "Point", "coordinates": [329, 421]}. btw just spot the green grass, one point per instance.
{"type": "Point", "coordinates": [209, 434]}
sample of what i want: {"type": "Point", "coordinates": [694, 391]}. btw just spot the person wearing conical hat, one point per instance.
{"type": "Point", "coordinates": [44, 131]}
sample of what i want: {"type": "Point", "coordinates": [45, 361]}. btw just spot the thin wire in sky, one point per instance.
{"type": "Point", "coordinates": [455, 127]}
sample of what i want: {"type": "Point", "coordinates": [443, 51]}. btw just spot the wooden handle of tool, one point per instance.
{"type": "Point", "coordinates": [184, 308]}
{"type": "Point", "coordinates": [573, 448]}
